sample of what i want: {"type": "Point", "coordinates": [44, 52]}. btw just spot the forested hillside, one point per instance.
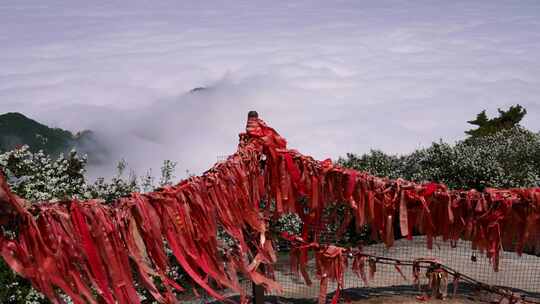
{"type": "Point", "coordinates": [17, 130]}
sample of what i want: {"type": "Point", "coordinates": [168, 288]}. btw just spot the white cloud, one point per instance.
{"type": "Point", "coordinates": [333, 77]}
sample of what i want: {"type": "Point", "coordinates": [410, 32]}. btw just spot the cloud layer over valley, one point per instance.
{"type": "Point", "coordinates": [332, 77]}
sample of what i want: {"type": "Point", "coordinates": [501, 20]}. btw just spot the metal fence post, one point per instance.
{"type": "Point", "coordinates": [258, 290]}
{"type": "Point", "coordinates": [258, 294]}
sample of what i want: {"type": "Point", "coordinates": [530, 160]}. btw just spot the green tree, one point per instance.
{"type": "Point", "coordinates": [487, 126]}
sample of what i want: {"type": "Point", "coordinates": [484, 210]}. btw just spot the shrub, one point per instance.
{"type": "Point", "coordinates": [508, 158]}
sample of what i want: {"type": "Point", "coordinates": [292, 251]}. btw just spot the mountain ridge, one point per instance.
{"type": "Point", "coordinates": [16, 129]}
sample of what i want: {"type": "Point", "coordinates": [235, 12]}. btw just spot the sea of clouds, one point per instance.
{"type": "Point", "coordinates": [332, 76]}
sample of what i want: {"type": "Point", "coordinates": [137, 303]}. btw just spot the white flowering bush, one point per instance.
{"type": "Point", "coordinates": [167, 173]}
{"type": "Point", "coordinates": [117, 187]}
{"type": "Point", "coordinates": [37, 177]}
{"type": "Point", "coordinates": [508, 158]}
{"type": "Point", "coordinates": [226, 243]}
{"type": "Point", "coordinates": [290, 223]}
{"type": "Point", "coordinates": [375, 162]}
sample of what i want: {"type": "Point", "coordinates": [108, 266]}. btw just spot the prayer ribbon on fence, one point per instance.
{"type": "Point", "coordinates": [83, 238]}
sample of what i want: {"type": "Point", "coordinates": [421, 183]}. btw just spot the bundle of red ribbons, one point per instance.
{"type": "Point", "coordinates": [94, 252]}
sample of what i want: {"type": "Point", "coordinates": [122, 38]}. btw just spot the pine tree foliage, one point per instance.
{"type": "Point", "coordinates": [506, 120]}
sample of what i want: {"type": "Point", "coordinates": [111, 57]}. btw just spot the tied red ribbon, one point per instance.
{"type": "Point", "coordinates": [96, 265]}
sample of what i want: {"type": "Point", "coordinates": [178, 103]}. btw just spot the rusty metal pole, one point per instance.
{"type": "Point", "coordinates": [258, 290]}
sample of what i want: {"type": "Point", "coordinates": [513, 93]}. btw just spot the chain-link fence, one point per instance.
{"type": "Point", "coordinates": [521, 274]}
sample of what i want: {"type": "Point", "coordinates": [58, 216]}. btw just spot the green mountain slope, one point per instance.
{"type": "Point", "coordinates": [17, 129]}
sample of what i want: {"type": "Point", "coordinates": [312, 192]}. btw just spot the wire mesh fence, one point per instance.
{"type": "Point", "coordinates": [519, 273]}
